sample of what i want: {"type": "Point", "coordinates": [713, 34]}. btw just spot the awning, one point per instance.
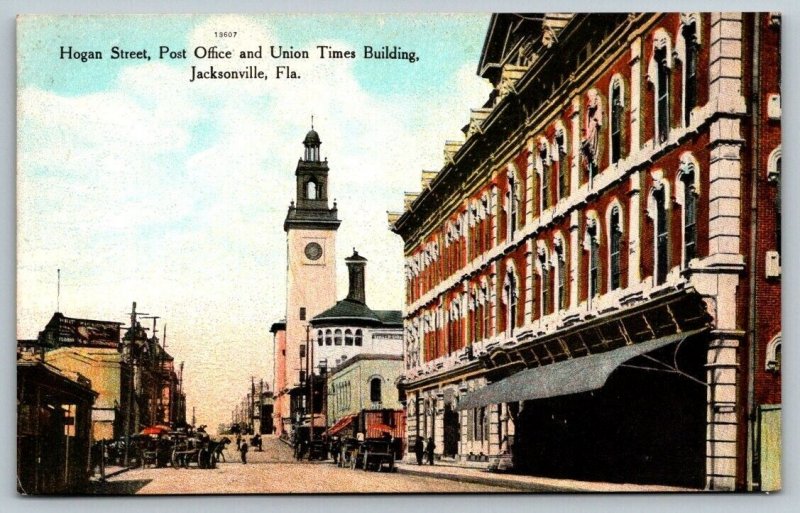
{"type": "Point", "coordinates": [340, 425]}
{"type": "Point", "coordinates": [573, 376]}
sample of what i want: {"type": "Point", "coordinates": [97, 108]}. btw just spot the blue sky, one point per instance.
{"type": "Point", "coordinates": [141, 186]}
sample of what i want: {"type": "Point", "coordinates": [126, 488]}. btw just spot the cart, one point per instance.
{"type": "Point", "coordinates": [373, 455]}
{"type": "Point", "coordinates": [192, 449]}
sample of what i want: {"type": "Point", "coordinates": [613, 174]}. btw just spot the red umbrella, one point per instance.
{"type": "Point", "coordinates": [155, 430]}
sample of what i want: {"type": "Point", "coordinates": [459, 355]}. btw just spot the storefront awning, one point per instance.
{"type": "Point", "coordinates": [573, 376]}
{"type": "Point", "coordinates": [340, 425]}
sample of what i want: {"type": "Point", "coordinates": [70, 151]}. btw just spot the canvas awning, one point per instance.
{"type": "Point", "coordinates": [573, 376]}
{"type": "Point", "coordinates": [340, 425]}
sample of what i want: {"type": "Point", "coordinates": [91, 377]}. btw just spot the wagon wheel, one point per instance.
{"type": "Point", "coordinates": [202, 457]}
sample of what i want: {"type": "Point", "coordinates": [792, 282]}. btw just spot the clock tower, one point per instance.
{"type": "Point", "coordinates": [310, 227]}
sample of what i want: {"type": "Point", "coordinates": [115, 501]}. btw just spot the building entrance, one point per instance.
{"type": "Point", "coordinates": [452, 432]}
{"type": "Point", "coordinates": [643, 426]}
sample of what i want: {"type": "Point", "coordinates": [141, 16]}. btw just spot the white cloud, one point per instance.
{"type": "Point", "coordinates": [173, 194]}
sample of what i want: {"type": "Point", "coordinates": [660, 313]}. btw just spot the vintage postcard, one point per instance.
{"type": "Point", "coordinates": [398, 253]}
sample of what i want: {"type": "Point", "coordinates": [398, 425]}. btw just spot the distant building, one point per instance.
{"type": "Point", "coordinates": [310, 227]}
{"type": "Point", "coordinates": [357, 354]}
{"type": "Point", "coordinates": [594, 275]}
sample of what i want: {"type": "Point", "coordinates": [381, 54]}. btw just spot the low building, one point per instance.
{"type": "Point", "coordinates": [104, 367]}
{"type": "Point", "coordinates": [54, 412]}
{"type": "Point", "coordinates": [362, 397]}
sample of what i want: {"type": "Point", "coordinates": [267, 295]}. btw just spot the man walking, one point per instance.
{"type": "Point", "coordinates": [419, 450]}
{"type": "Point", "coordinates": [243, 451]}
{"type": "Point", "coordinates": [429, 450]}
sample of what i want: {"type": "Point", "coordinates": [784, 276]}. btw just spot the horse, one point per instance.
{"type": "Point", "coordinates": [218, 447]}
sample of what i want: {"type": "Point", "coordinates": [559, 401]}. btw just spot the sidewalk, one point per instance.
{"type": "Point", "coordinates": [111, 471]}
{"type": "Point", "coordinates": [529, 483]}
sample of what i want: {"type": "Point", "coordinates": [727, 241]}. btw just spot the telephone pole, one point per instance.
{"type": "Point", "coordinates": [128, 357]}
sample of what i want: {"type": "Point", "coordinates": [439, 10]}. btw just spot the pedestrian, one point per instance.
{"type": "Point", "coordinates": [238, 441]}
{"type": "Point", "coordinates": [429, 450]}
{"type": "Point", "coordinates": [243, 450]}
{"type": "Point", "coordinates": [419, 450]}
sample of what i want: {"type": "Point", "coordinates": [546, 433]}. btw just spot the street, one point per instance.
{"type": "Point", "coordinates": [275, 471]}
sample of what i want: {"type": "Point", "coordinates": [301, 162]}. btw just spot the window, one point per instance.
{"type": "Point", "coordinates": [616, 249]}
{"type": "Point", "coordinates": [661, 236]}
{"type": "Point", "coordinates": [590, 145]}
{"type": "Point", "coordinates": [662, 94]}
{"type": "Point", "coordinates": [546, 283]}
{"type": "Point", "coordinates": [561, 283]}
{"type": "Point", "coordinates": [617, 109]}
{"type": "Point", "coordinates": [513, 206]}
{"type": "Point", "coordinates": [319, 337]}
{"type": "Point", "coordinates": [778, 206]}
{"type": "Point", "coordinates": [545, 182]}
{"type": "Point", "coordinates": [337, 337]}
{"type": "Point", "coordinates": [302, 313]}
{"type": "Point", "coordinates": [359, 340]}
{"type": "Point", "coordinates": [375, 390]}
{"type": "Point", "coordinates": [563, 164]}
{"type": "Point", "coordinates": [348, 338]}
{"type": "Point", "coordinates": [689, 219]}
{"type": "Point", "coordinates": [593, 246]}
{"type": "Point", "coordinates": [328, 338]}
{"type": "Point", "coordinates": [773, 360]}
{"type": "Point", "coordinates": [311, 190]}
{"type": "Point", "coordinates": [485, 310]}
{"type": "Point", "coordinates": [690, 78]}
{"type": "Point", "coordinates": [511, 301]}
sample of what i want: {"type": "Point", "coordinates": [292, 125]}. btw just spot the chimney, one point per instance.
{"type": "Point", "coordinates": [355, 268]}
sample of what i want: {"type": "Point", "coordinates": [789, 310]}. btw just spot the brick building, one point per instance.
{"type": "Point", "coordinates": [593, 274]}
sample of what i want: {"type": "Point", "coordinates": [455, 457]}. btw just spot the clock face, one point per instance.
{"type": "Point", "coordinates": [313, 251]}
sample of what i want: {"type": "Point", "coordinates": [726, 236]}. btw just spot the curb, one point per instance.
{"type": "Point", "coordinates": [491, 481]}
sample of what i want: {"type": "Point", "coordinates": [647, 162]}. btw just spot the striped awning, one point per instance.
{"type": "Point", "coordinates": [340, 425]}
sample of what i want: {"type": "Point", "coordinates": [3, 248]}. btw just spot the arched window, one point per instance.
{"type": "Point", "coordinates": [661, 235]}
{"type": "Point", "coordinates": [375, 390]}
{"type": "Point", "coordinates": [359, 340]}
{"type": "Point", "coordinates": [328, 338]}
{"type": "Point", "coordinates": [662, 94]}
{"type": "Point", "coordinates": [691, 48]}
{"type": "Point", "coordinates": [773, 360]}
{"type": "Point", "coordinates": [561, 274]}
{"type": "Point", "coordinates": [511, 297]}
{"type": "Point", "coordinates": [774, 176]}
{"type": "Point", "coordinates": [319, 337]}
{"type": "Point", "coordinates": [337, 337]}
{"type": "Point", "coordinates": [563, 164]}
{"type": "Point", "coordinates": [592, 246]}
{"type": "Point", "coordinates": [311, 190]}
{"type": "Point", "coordinates": [615, 241]}
{"type": "Point", "coordinates": [617, 111]}
{"type": "Point", "coordinates": [590, 145]}
{"type": "Point", "coordinates": [544, 262]}
{"type": "Point", "coordinates": [513, 204]}
{"type": "Point", "coordinates": [348, 337]}
{"type": "Point", "coordinates": [485, 306]}
{"type": "Point", "coordinates": [544, 163]}
{"type": "Point", "coordinates": [689, 217]}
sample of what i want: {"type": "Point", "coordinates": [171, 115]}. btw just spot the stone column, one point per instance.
{"type": "Point", "coordinates": [494, 430]}
{"type": "Point", "coordinates": [528, 281]}
{"type": "Point", "coordinates": [722, 413]}
{"type": "Point", "coordinates": [437, 400]}
{"type": "Point", "coordinates": [574, 251]}
{"type": "Point", "coordinates": [634, 230]}
{"type": "Point", "coordinates": [636, 94]}
{"type": "Point", "coordinates": [575, 172]}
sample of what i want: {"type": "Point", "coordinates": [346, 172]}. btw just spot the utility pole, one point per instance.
{"type": "Point", "coordinates": [310, 352]}
{"type": "Point", "coordinates": [130, 361]}
{"type": "Point", "coordinates": [193, 416]}
{"type": "Point", "coordinates": [156, 384]}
